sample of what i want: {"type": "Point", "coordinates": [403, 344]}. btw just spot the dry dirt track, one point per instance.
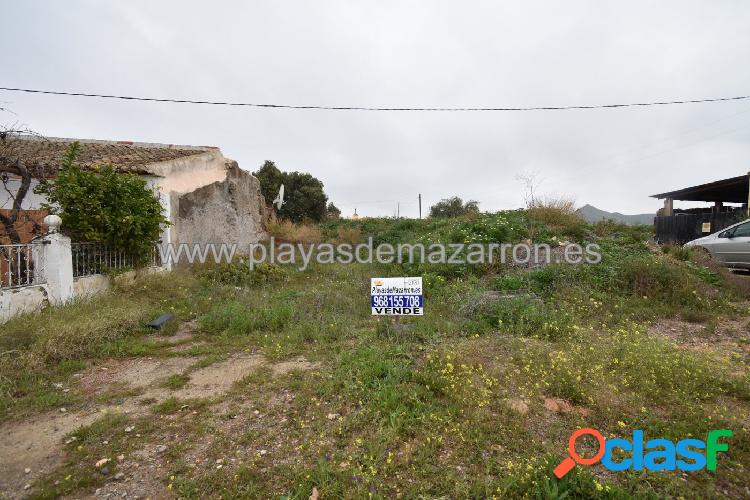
{"type": "Point", "coordinates": [33, 447]}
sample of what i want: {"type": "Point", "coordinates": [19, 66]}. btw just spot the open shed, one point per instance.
{"type": "Point", "coordinates": [674, 225]}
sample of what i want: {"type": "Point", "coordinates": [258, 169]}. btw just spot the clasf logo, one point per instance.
{"type": "Point", "coordinates": [655, 455]}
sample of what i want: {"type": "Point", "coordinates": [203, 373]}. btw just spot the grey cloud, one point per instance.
{"type": "Point", "coordinates": [405, 54]}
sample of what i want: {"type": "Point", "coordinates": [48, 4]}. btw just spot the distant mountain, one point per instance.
{"type": "Point", "coordinates": [592, 214]}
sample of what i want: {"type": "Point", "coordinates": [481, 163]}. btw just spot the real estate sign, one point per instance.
{"type": "Point", "coordinates": [396, 296]}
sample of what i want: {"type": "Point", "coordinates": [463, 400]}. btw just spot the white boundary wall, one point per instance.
{"type": "Point", "coordinates": [57, 285]}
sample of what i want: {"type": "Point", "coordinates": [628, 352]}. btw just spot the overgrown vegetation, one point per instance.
{"type": "Point", "coordinates": [304, 198]}
{"type": "Point", "coordinates": [453, 207]}
{"type": "Point", "coordinates": [476, 399]}
{"type": "Point", "coordinates": [287, 231]}
{"type": "Point", "coordinates": [240, 273]}
{"type": "Point", "coordinates": [103, 205]}
{"type": "Point", "coordinates": [555, 214]}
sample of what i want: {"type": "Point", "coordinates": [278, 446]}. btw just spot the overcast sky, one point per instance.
{"type": "Point", "coordinates": [404, 53]}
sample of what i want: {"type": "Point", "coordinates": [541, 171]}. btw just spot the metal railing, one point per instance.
{"type": "Point", "coordinates": [19, 265]}
{"type": "Point", "coordinates": [91, 258]}
{"type": "Point", "coordinates": [155, 260]}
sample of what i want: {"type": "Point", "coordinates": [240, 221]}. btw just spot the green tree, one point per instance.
{"type": "Point", "coordinates": [332, 211]}
{"type": "Point", "coordinates": [270, 178]}
{"type": "Point", "coordinates": [103, 205]}
{"type": "Point", "coordinates": [453, 207]}
{"type": "Point", "coordinates": [304, 197]}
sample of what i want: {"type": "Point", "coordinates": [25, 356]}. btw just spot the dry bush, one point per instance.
{"type": "Point", "coordinates": [558, 213]}
{"type": "Point", "coordinates": [554, 210]}
{"type": "Point", "coordinates": [351, 235]}
{"type": "Point", "coordinates": [287, 231]}
{"type": "Point", "coordinates": [472, 215]}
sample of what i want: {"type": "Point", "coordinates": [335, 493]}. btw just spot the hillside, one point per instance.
{"type": "Point", "coordinates": [592, 214]}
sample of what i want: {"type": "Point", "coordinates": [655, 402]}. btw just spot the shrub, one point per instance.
{"type": "Point", "coordinates": [525, 316]}
{"type": "Point", "coordinates": [240, 274]}
{"type": "Point", "coordinates": [678, 252]}
{"type": "Point", "coordinates": [550, 278]}
{"type": "Point", "coordinates": [543, 281]}
{"type": "Point", "coordinates": [510, 282]}
{"type": "Point", "coordinates": [273, 318]}
{"type": "Point", "coordinates": [613, 229]}
{"type": "Point", "coordinates": [235, 318]}
{"type": "Point", "coordinates": [104, 205]}
{"type": "Point", "coordinates": [554, 210]}
{"type": "Point", "coordinates": [645, 285]}
{"type": "Point", "coordinates": [289, 232]}
{"type": "Point", "coordinates": [658, 279]}
{"type": "Point", "coordinates": [453, 207]}
{"type": "Point", "coordinates": [559, 215]}
{"type": "Point", "coordinates": [350, 235]}
{"type": "Point", "coordinates": [664, 371]}
{"type": "Point", "coordinates": [232, 318]}
{"type": "Point", "coordinates": [265, 272]}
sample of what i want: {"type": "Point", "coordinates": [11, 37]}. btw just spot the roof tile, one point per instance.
{"type": "Point", "coordinates": [124, 156]}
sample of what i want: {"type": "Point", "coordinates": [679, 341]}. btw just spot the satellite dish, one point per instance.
{"type": "Point", "coordinates": [279, 200]}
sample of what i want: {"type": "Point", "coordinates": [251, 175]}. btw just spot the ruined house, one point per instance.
{"type": "Point", "coordinates": [208, 198]}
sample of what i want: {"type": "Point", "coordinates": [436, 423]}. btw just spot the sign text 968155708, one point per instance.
{"type": "Point", "coordinates": [396, 296]}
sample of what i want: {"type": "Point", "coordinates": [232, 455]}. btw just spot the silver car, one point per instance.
{"type": "Point", "coordinates": [730, 246]}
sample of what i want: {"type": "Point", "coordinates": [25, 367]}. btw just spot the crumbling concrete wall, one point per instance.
{"type": "Point", "coordinates": [229, 211]}
{"type": "Point", "coordinates": [190, 172]}
{"type": "Point", "coordinates": [24, 300]}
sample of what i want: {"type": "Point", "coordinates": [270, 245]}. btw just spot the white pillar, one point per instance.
{"type": "Point", "coordinates": [56, 261]}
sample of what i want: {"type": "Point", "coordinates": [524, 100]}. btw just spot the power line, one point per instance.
{"type": "Point", "coordinates": [365, 108]}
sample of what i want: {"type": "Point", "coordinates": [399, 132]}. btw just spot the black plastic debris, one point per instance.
{"type": "Point", "coordinates": [160, 321]}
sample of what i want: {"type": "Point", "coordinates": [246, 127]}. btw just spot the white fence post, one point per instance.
{"type": "Point", "coordinates": [57, 263]}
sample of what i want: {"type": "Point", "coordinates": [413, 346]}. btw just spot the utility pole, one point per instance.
{"type": "Point", "coordinates": [398, 210]}
{"type": "Point", "coordinates": [420, 205]}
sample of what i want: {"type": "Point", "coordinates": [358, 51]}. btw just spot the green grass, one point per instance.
{"type": "Point", "coordinates": [104, 439]}
{"type": "Point", "coordinates": [42, 349]}
{"type": "Point", "coordinates": [175, 381]}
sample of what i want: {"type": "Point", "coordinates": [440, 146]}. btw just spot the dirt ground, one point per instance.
{"type": "Point", "coordinates": [203, 412]}
{"type": "Point", "coordinates": [32, 448]}
{"type": "Point", "coordinates": [731, 337]}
